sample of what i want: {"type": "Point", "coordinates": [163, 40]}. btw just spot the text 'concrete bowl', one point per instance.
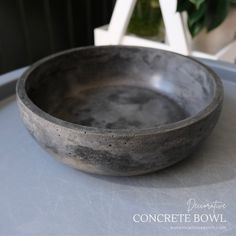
{"type": "Point", "coordinates": [119, 110]}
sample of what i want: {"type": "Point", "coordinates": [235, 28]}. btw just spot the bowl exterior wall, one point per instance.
{"type": "Point", "coordinates": [116, 154]}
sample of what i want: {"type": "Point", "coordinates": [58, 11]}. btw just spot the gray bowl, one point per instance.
{"type": "Point", "coordinates": [119, 110]}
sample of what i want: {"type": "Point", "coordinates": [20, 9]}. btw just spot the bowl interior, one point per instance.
{"type": "Point", "coordinates": [120, 87]}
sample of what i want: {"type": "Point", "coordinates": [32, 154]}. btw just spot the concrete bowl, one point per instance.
{"type": "Point", "coordinates": [118, 110]}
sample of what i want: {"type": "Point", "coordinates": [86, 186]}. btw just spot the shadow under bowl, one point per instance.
{"type": "Point", "coordinates": [119, 110]}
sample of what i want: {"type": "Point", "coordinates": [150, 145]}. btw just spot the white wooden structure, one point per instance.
{"type": "Point", "coordinates": [177, 35]}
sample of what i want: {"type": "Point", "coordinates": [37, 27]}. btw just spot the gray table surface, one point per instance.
{"type": "Point", "coordinates": [40, 196]}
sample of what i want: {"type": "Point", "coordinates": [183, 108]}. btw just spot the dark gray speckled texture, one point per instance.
{"type": "Point", "coordinates": [119, 110]}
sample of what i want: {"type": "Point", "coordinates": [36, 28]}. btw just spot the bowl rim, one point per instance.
{"type": "Point", "coordinates": [22, 96]}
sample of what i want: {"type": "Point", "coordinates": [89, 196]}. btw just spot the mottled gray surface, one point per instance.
{"type": "Point", "coordinates": [134, 110]}
{"type": "Point", "coordinates": [40, 196]}
{"type": "Point", "coordinates": [119, 107]}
